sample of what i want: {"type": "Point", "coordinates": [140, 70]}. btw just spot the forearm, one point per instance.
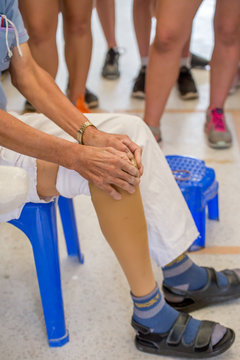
{"type": "Point", "coordinates": [17, 136]}
{"type": "Point", "coordinates": [40, 89]}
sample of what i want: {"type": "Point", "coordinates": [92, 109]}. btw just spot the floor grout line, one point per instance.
{"type": "Point", "coordinates": [181, 111]}
{"type": "Point", "coordinates": [220, 250]}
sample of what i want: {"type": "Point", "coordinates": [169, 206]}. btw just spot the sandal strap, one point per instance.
{"type": "Point", "coordinates": [176, 334]}
{"type": "Point", "coordinates": [211, 283]}
{"type": "Point", "coordinates": [172, 342]}
{"type": "Point", "coordinates": [204, 335]}
{"type": "Point", "coordinates": [232, 277]}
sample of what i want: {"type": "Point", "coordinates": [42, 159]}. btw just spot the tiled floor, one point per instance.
{"type": "Point", "coordinates": [96, 295]}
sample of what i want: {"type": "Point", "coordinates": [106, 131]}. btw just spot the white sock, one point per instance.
{"type": "Point", "coordinates": [144, 61]}
{"type": "Point", "coordinates": [185, 62]}
{"type": "Point", "coordinates": [70, 184]}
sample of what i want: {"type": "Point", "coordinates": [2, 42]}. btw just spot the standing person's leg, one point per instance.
{"type": "Point", "coordinates": [224, 65]}
{"type": "Point", "coordinates": [41, 19]}
{"type": "Point", "coordinates": [174, 21]}
{"type": "Point", "coordinates": [78, 47]}
{"type": "Point", "coordinates": [143, 10]}
{"type": "Point", "coordinates": [106, 14]}
{"type": "Point", "coordinates": [142, 17]}
{"type": "Point", "coordinates": [185, 82]}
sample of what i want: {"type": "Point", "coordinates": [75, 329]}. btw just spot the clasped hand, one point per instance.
{"type": "Point", "coordinates": [105, 160]}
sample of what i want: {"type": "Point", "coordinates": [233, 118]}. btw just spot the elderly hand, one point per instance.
{"type": "Point", "coordinates": [97, 138]}
{"type": "Point", "coordinates": [106, 167]}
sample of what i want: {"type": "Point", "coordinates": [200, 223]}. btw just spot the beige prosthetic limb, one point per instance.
{"type": "Point", "coordinates": [124, 226]}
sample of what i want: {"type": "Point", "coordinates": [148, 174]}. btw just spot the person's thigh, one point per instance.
{"type": "Point", "coordinates": [174, 19]}
{"type": "Point", "coordinates": [227, 20]}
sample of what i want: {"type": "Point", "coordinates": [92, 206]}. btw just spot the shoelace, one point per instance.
{"type": "Point", "coordinates": [7, 21]}
{"type": "Point", "coordinates": [217, 120]}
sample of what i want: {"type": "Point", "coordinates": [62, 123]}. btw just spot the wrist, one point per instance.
{"type": "Point", "coordinates": [81, 131]}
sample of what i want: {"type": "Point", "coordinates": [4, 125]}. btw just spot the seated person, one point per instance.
{"type": "Point", "coordinates": [110, 168]}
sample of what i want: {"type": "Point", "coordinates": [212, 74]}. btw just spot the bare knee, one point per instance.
{"type": "Point", "coordinates": [76, 26]}
{"type": "Point", "coordinates": [227, 33]}
{"type": "Point", "coordinates": [41, 32]}
{"type": "Point", "coordinates": [167, 40]}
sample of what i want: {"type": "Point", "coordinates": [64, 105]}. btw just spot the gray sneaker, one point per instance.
{"type": "Point", "coordinates": [110, 68]}
{"type": "Point", "coordinates": [216, 129]}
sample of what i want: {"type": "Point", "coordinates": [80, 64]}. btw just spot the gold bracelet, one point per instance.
{"type": "Point", "coordinates": [80, 131]}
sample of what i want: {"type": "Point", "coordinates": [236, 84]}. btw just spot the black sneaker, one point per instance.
{"type": "Point", "coordinates": [138, 91]}
{"type": "Point", "coordinates": [110, 68]}
{"type": "Point", "coordinates": [28, 107]}
{"type": "Point", "coordinates": [91, 99]}
{"type": "Point", "coordinates": [198, 62]}
{"type": "Point", "coordinates": [186, 84]}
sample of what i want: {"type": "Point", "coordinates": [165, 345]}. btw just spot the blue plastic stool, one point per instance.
{"type": "Point", "coordinates": [199, 187]}
{"type": "Point", "coordinates": [38, 222]}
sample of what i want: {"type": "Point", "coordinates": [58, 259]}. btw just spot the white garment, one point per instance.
{"type": "Point", "coordinates": [171, 228]}
{"type": "Point", "coordinates": [14, 185]}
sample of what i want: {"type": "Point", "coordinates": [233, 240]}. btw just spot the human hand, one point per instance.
{"type": "Point", "coordinates": [107, 168]}
{"type": "Point", "coordinates": [97, 138]}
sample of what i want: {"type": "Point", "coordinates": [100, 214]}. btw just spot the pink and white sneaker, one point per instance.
{"type": "Point", "coordinates": [216, 129]}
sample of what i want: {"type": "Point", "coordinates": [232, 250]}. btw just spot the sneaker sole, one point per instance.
{"type": "Point", "coordinates": [93, 104]}
{"type": "Point", "coordinates": [189, 96]}
{"type": "Point", "coordinates": [138, 95]}
{"type": "Point", "coordinates": [111, 76]}
{"type": "Point", "coordinates": [219, 145]}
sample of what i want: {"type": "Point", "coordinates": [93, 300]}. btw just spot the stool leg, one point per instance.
{"type": "Point", "coordinates": [213, 209]}
{"type": "Point", "coordinates": [67, 214]}
{"type": "Point", "coordinates": [200, 221]}
{"type": "Point", "coordinates": [38, 222]}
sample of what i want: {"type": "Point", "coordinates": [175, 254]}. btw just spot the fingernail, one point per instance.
{"type": "Point", "coordinates": [117, 196]}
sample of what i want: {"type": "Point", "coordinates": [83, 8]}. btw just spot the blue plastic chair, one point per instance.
{"type": "Point", "coordinates": [38, 222]}
{"type": "Point", "coordinates": [199, 187]}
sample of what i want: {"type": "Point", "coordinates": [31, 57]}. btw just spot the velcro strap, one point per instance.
{"type": "Point", "coordinates": [232, 277]}
{"type": "Point", "coordinates": [204, 335]}
{"type": "Point", "coordinates": [141, 328]}
{"type": "Point", "coordinates": [178, 329]}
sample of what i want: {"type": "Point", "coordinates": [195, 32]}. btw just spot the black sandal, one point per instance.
{"type": "Point", "coordinates": [211, 293]}
{"type": "Point", "coordinates": [172, 342]}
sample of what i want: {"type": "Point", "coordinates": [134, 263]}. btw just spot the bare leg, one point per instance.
{"type": "Point", "coordinates": [78, 43]}
{"type": "Point", "coordinates": [186, 49]}
{"type": "Point", "coordinates": [46, 179]}
{"type": "Point", "coordinates": [174, 21]}
{"type": "Point", "coordinates": [106, 14]}
{"type": "Point", "coordinates": [142, 24]}
{"type": "Point", "coordinates": [226, 52]}
{"type": "Point", "coordinates": [40, 19]}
